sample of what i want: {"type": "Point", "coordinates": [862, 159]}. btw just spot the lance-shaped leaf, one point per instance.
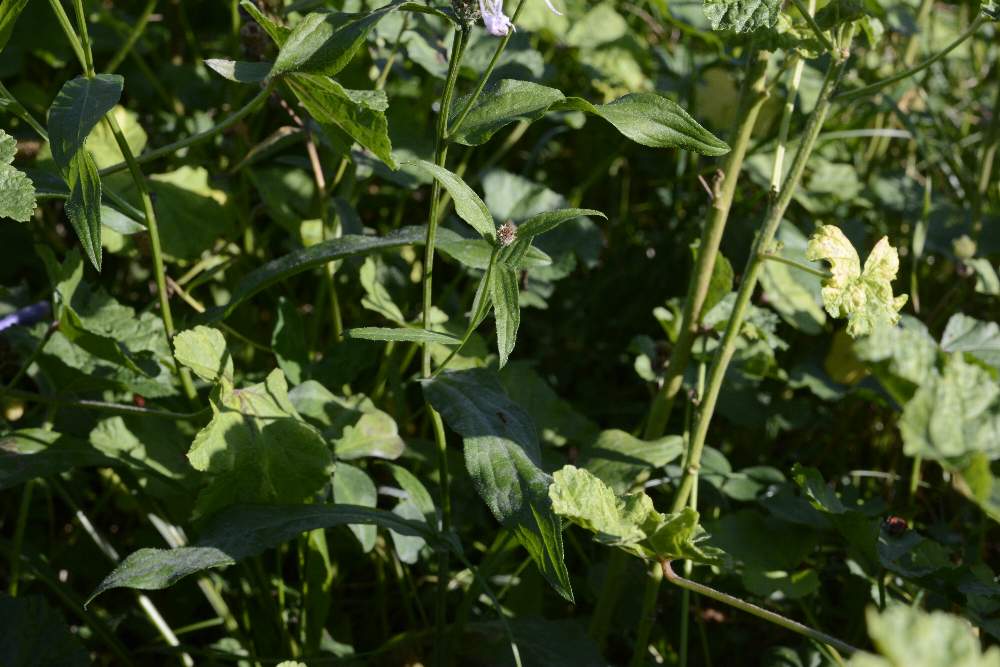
{"type": "Point", "coordinates": [243, 531]}
{"type": "Point", "coordinates": [503, 458]}
{"type": "Point", "coordinates": [503, 103]}
{"type": "Point", "coordinates": [468, 205]}
{"type": "Point", "coordinates": [505, 295]}
{"type": "Point", "coordinates": [240, 71]}
{"type": "Point", "coordinates": [278, 33]}
{"type": "Point", "coordinates": [629, 522]}
{"type": "Point", "coordinates": [79, 106]}
{"type": "Point", "coordinates": [359, 113]}
{"type": "Point", "coordinates": [650, 119]}
{"type": "Point", "coordinates": [546, 222]}
{"type": "Point", "coordinates": [400, 334]}
{"type": "Point", "coordinates": [742, 15]}
{"type": "Point", "coordinates": [17, 192]}
{"type": "Point", "coordinates": [9, 13]}
{"type": "Point", "coordinates": [864, 296]}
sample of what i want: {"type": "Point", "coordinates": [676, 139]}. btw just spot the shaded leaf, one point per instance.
{"type": "Point", "coordinates": [17, 192]}
{"type": "Point", "coordinates": [504, 293]}
{"type": "Point", "coordinates": [620, 460]}
{"type": "Point", "coordinates": [967, 334]}
{"type": "Point", "coordinates": [32, 633]}
{"type": "Point", "coordinates": [288, 340]}
{"type": "Point", "coordinates": [468, 205]}
{"type": "Point", "coordinates": [79, 106]}
{"type": "Point", "coordinates": [505, 102]}
{"type": "Point", "coordinates": [33, 453]}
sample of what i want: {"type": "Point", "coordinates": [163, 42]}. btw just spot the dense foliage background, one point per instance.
{"type": "Point", "coordinates": [842, 475]}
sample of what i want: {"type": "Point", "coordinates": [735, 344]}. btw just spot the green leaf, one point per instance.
{"type": "Point", "coordinates": [288, 340]}
{"type": "Point", "coordinates": [406, 335]}
{"type": "Point", "coordinates": [505, 294]}
{"type": "Point", "coordinates": [910, 637]}
{"type": "Point", "coordinates": [10, 10]}
{"type": "Point", "coordinates": [33, 453]}
{"type": "Point", "coordinates": [192, 214]}
{"type": "Point", "coordinates": [240, 71]}
{"type": "Point", "coordinates": [83, 208]}
{"type": "Point", "coordinates": [546, 222]}
{"type": "Point", "coordinates": [17, 192]}
{"type": "Point", "coordinates": [359, 113]}
{"type": "Point", "coordinates": [558, 422]}
{"type": "Point", "coordinates": [353, 486]}
{"type": "Point", "coordinates": [628, 522]}
{"type": "Point", "coordinates": [280, 269]}
{"type": "Point", "coordinates": [967, 334]}
{"type": "Point", "coordinates": [203, 350]}
{"type": "Point", "coordinates": [468, 205]}
{"type": "Point", "coordinates": [742, 15]}
{"type": "Point", "coordinates": [152, 449]}
{"type": "Point", "coordinates": [276, 32]}
{"type": "Point", "coordinates": [257, 449]}
{"type": "Point", "coordinates": [324, 43]}
{"type": "Point", "coordinates": [377, 297]}
{"type": "Point", "coordinates": [954, 413]}
{"type": "Point", "coordinates": [416, 492]}
{"type": "Point", "coordinates": [79, 106]}
{"type": "Point", "coordinates": [863, 296]}
{"type": "Point", "coordinates": [901, 357]}
{"type": "Point", "coordinates": [620, 460]}
{"type": "Point", "coordinates": [505, 102]}
{"type": "Point", "coordinates": [243, 531]}
{"type": "Point", "coordinates": [650, 119]}
{"type": "Point", "coordinates": [476, 253]}
{"type": "Point", "coordinates": [32, 633]}
{"type": "Point", "coordinates": [721, 282]}
{"type": "Point", "coordinates": [354, 426]}
{"type": "Point", "coordinates": [793, 293]}
{"type": "Point", "coordinates": [503, 458]}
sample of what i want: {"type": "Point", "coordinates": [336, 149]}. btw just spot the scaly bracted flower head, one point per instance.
{"type": "Point", "coordinates": [497, 23]}
{"type": "Point", "coordinates": [863, 296]}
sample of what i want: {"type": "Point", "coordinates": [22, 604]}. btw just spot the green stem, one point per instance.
{"type": "Point", "coordinates": [67, 28]}
{"type": "Point", "coordinates": [22, 523]}
{"type": "Point", "coordinates": [23, 113]}
{"type": "Point", "coordinates": [480, 307]}
{"type": "Point", "coordinates": [765, 256]}
{"type": "Point", "coordinates": [753, 609]}
{"type": "Point", "coordinates": [724, 353]}
{"type": "Point", "coordinates": [100, 406]}
{"type": "Point", "coordinates": [81, 25]}
{"type": "Point", "coordinates": [807, 15]}
{"type": "Point", "coordinates": [751, 100]}
{"type": "Point", "coordinates": [905, 74]}
{"type": "Point", "coordinates": [133, 36]}
{"type": "Point", "coordinates": [484, 78]}
{"type": "Point", "coordinates": [215, 130]}
{"type": "Point", "coordinates": [647, 616]}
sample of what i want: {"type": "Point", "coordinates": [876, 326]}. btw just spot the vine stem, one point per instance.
{"type": "Point", "coordinates": [770, 256]}
{"type": "Point", "coordinates": [905, 74]}
{"type": "Point", "coordinates": [751, 274]}
{"type": "Point", "coordinates": [750, 608]}
{"type": "Point", "coordinates": [752, 98]}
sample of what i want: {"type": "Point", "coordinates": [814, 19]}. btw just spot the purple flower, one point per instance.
{"type": "Point", "coordinates": [26, 316]}
{"type": "Point", "coordinates": [497, 23]}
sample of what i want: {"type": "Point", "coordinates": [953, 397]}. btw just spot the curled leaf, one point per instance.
{"type": "Point", "coordinates": [863, 296]}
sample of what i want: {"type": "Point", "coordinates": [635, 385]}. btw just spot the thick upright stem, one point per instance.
{"type": "Point", "coordinates": [751, 100]}
{"type": "Point", "coordinates": [751, 274]}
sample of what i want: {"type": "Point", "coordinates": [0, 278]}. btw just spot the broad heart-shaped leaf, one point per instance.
{"type": "Point", "coordinates": [203, 350]}
{"type": "Point", "coordinates": [742, 15]}
{"type": "Point", "coordinates": [83, 208]}
{"type": "Point", "coordinates": [243, 531]}
{"type": "Point", "coordinates": [650, 119]}
{"type": "Point", "coordinates": [910, 637]}
{"type": "Point", "coordinates": [33, 633]}
{"type": "Point", "coordinates": [240, 71]}
{"type": "Point", "coordinates": [17, 192]}
{"type": "Point", "coordinates": [402, 334]}
{"type": "Point", "coordinates": [546, 222]}
{"type": "Point", "coordinates": [864, 296]}
{"type": "Point", "coordinates": [967, 334]}
{"type": "Point", "coordinates": [503, 458]}
{"type": "Point", "coordinates": [468, 205]}
{"type": "Point", "coordinates": [629, 522]}
{"type": "Point", "coordinates": [359, 113]}
{"type": "Point", "coordinates": [954, 414]}
{"type": "Point", "coordinates": [503, 103]}
{"type": "Point", "coordinates": [79, 106]}
{"type": "Point", "coordinates": [505, 295]}
{"type": "Point", "coordinates": [257, 448]}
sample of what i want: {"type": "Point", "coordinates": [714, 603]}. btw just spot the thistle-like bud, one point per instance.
{"type": "Point", "coordinates": [467, 11]}
{"type": "Point", "coordinates": [507, 233]}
